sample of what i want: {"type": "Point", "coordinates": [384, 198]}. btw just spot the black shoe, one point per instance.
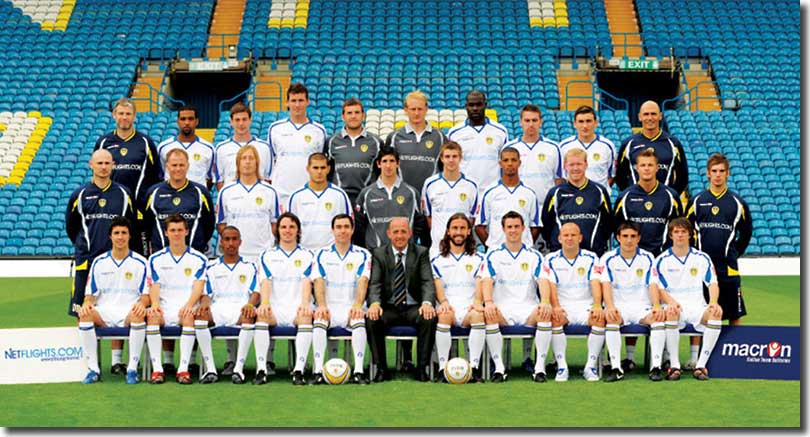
{"type": "Point", "coordinates": [498, 377]}
{"type": "Point", "coordinates": [271, 368]}
{"type": "Point", "coordinates": [528, 365]}
{"type": "Point", "coordinates": [665, 366]}
{"type": "Point", "coordinates": [551, 368]}
{"type": "Point", "coordinates": [118, 369]}
{"type": "Point", "coordinates": [169, 369]}
{"type": "Point", "coordinates": [359, 378]}
{"type": "Point", "coordinates": [194, 369]}
{"type": "Point", "coordinates": [260, 378]}
{"type": "Point", "coordinates": [228, 369]}
{"type": "Point", "coordinates": [476, 378]}
{"type": "Point", "coordinates": [441, 378]}
{"type": "Point", "coordinates": [237, 378]}
{"type": "Point", "coordinates": [628, 365]}
{"type": "Point", "coordinates": [656, 374]}
{"type": "Point", "coordinates": [408, 366]}
{"type": "Point", "coordinates": [317, 379]}
{"type": "Point", "coordinates": [298, 378]}
{"type": "Point", "coordinates": [209, 378]}
{"type": "Point", "coordinates": [422, 376]}
{"type": "Point", "coordinates": [382, 376]}
{"type": "Point", "coordinates": [614, 375]}
{"type": "Point", "coordinates": [539, 377]}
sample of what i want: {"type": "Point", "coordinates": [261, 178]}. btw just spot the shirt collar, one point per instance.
{"type": "Point", "coordinates": [396, 182]}
{"type": "Point", "coordinates": [344, 133]}
{"type": "Point", "coordinates": [395, 251]}
{"type": "Point", "coordinates": [409, 129]}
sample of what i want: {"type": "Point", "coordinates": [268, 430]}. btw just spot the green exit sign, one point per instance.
{"type": "Point", "coordinates": [638, 64]}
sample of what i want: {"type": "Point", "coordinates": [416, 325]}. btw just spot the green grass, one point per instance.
{"type": "Point", "coordinates": [518, 403]}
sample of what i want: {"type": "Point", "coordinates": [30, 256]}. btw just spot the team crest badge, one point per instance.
{"type": "Point", "coordinates": [639, 272]}
{"type": "Point", "coordinates": [124, 151]}
{"type": "Point", "coordinates": [522, 202]}
{"type": "Point", "coordinates": [428, 144]}
{"type": "Point", "coordinates": [128, 276]}
{"type": "Point", "coordinates": [297, 263]}
{"type": "Point", "coordinates": [349, 266]}
{"type": "Point", "coordinates": [259, 201]}
{"type": "Point", "coordinates": [468, 268]}
{"type": "Point", "coordinates": [242, 278]}
{"type": "Point", "coordinates": [596, 156]}
{"type": "Point", "coordinates": [462, 196]}
{"type": "Point", "coordinates": [581, 271]}
{"type": "Point", "coordinates": [524, 266]}
{"type": "Point", "coordinates": [648, 205]}
{"type": "Point", "coordinates": [176, 201]}
{"type": "Point", "coordinates": [400, 199]}
{"type": "Point", "coordinates": [187, 271]}
{"type": "Point", "coordinates": [328, 206]}
{"type": "Point", "coordinates": [541, 157]}
{"type": "Point", "coordinates": [307, 138]}
{"type": "Point", "coordinates": [102, 202]}
{"type": "Point", "coordinates": [364, 148]}
{"type": "Point", "coordinates": [579, 200]}
{"type": "Point", "coordinates": [197, 157]}
{"type": "Point", "coordinates": [489, 140]}
{"type": "Point", "coordinates": [693, 271]}
{"type": "Point", "coordinates": [715, 210]}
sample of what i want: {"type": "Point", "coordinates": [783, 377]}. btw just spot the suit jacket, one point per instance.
{"type": "Point", "coordinates": [418, 275]}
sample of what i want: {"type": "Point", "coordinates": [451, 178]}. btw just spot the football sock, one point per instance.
{"type": "Point", "coordinates": [542, 339]}
{"type": "Point", "coordinates": [87, 333]}
{"type": "Point", "coordinates": [303, 340]}
{"type": "Point", "coordinates": [186, 345]}
{"type": "Point", "coordinates": [137, 335]}
{"type": "Point", "coordinates": [710, 336]}
{"type": "Point", "coordinates": [630, 349]}
{"type": "Point", "coordinates": [558, 345]}
{"type": "Point", "coordinates": [613, 339]}
{"type": "Point", "coordinates": [318, 344]}
{"type": "Point", "coordinates": [232, 346]}
{"type": "Point", "coordinates": [673, 342]}
{"type": "Point", "coordinates": [495, 345]}
{"type": "Point", "coordinates": [476, 342]}
{"type": "Point", "coordinates": [204, 339]}
{"type": "Point", "coordinates": [443, 342]}
{"type": "Point", "coordinates": [358, 343]}
{"type": "Point", "coordinates": [658, 337]}
{"type": "Point", "coordinates": [245, 338]}
{"type": "Point", "coordinates": [596, 339]}
{"type": "Point", "coordinates": [261, 337]}
{"type": "Point", "coordinates": [117, 356]}
{"type": "Point", "coordinates": [153, 346]}
{"type": "Point", "coordinates": [694, 349]}
{"type": "Point", "coordinates": [168, 356]}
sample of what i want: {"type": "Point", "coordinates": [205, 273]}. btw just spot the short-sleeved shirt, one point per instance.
{"type": "Point", "coordinates": [652, 211]}
{"type": "Point", "coordinates": [176, 275]}
{"type": "Point", "coordinates": [353, 159]}
{"type": "Point", "coordinates": [200, 158]}
{"type": "Point", "coordinates": [253, 210]}
{"type": "Point", "coordinates": [341, 273]}
{"type": "Point", "coordinates": [316, 210]}
{"type": "Point", "coordinates": [442, 198]}
{"type": "Point", "coordinates": [457, 274]}
{"type": "Point", "coordinates": [117, 283]}
{"type": "Point", "coordinates": [588, 206]}
{"type": "Point", "coordinates": [540, 164]}
{"type": "Point", "coordinates": [480, 146]}
{"type": "Point", "coordinates": [499, 199]}
{"type": "Point", "coordinates": [230, 284]}
{"type": "Point", "coordinates": [286, 271]}
{"type": "Point", "coordinates": [601, 157]}
{"type": "Point", "coordinates": [192, 201]}
{"type": "Point", "coordinates": [418, 153]}
{"type": "Point", "coordinates": [629, 279]}
{"type": "Point", "coordinates": [291, 146]}
{"type": "Point", "coordinates": [379, 206]}
{"type": "Point", "coordinates": [515, 274]}
{"type": "Point", "coordinates": [572, 277]}
{"type": "Point", "coordinates": [225, 159]}
{"type": "Point", "coordinates": [89, 212]}
{"type": "Point", "coordinates": [683, 278]}
{"type": "Point", "coordinates": [136, 160]}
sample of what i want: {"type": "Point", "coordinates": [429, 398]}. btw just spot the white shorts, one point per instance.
{"type": "Point", "coordinates": [516, 313]}
{"type": "Point", "coordinates": [113, 315]}
{"type": "Point", "coordinates": [578, 311]}
{"type": "Point", "coordinates": [692, 312]}
{"type": "Point", "coordinates": [633, 313]}
{"type": "Point", "coordinates": [285, 314]}
{"type": "Point", "coordinates": [226, 314]}
{"type": "Point", "coordinates": [460, 306]}
{"type": "Point", "coordinates": [171, 312]}
{"type": "Point", "coordinates": [340, 315]}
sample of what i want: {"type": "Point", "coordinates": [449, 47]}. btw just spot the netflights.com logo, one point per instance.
{"type": "Point", "coordinates": [773, 352]}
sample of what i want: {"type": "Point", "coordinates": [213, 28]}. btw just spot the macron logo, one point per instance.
{"type": "Point", "coordinates": [772, 352]}
{"type": "Point", "coordinates": [774, 348]}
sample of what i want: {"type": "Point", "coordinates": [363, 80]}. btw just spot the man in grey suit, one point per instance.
{"type": "Point", "coordinates": [401, 294]}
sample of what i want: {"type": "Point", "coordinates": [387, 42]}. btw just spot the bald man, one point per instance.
{"type": "Point", "coordinates": [672, 166]}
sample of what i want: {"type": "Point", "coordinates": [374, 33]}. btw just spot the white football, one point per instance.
{"type": "Point", "coordinates": [336, 371]}
{"type": "Point", "coordinates": [457, 371]}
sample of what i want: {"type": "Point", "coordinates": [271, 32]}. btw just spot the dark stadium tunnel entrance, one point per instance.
{"type": "Point", "coordinates": [206, 90]}
{"type": "Point", "coordinates": [638, 87]}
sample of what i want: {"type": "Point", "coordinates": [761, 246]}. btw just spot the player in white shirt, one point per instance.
{"type": "Point", "coordinates": [200, 152]}
{"type": "Point", "coordinates": [576, 298]}
{"type": "Point", "coordinates": [225, 151]}
{"type": "Point", "coordinates": [458, 292]}
{"type": "Point", "coordinates": [316, 203]}
{"type": "Point", "coordinates": [509, 194]}
{"type": "Point", "coordinates": [680, 273]}
{"type": "Point", "coordinates": [601, 151]}
{"type": "Point", "coordinates": [286, 296]}
{"type": "Point", "coordinates": [481, 139]}
{"type": "Point", "coordinates": [340, 273]}
{"type": "Point", "coordinates": [249, 204]}
{"type": "Point", "coordinates": [447, 193]}
{"type": "Point", "coordinates": [626, 274]}
{"type": "Point", "coordinates": [291, 141]}
{"type": "Point", "coordinates": [540, 158]}
{"type": "Point", "coordinates": [176, 277]}
{"type": "Point", "coordinates": [116, 296]}
{"type": "Point", "coordinates": [510, 278]}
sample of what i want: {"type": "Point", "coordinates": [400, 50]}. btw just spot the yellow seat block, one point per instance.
{"type": "Point", "coordinates": [446, 124]}
{"type": "Point", "coordinates": [47, 25]}
{"type": "Point", "coordinates": [399, 124]}
{"type": "Point", "coordinates": [492, 114]}
{"type": "Point", "coordinates": [562, 22]}
{"type": "Point", "coordinates": [535, 22]}
{"type": "Point", "coordinates": [16, 180]}
{"type": "Point", "coordinates": [273, 22]}
{"type": "Point", "coordinates": [36, 114]}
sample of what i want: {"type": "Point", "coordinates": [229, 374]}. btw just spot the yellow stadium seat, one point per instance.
{"type": "Point", "coordinates": [562, 22]}
{"type": "Point", "coordinates": [2, 127]}
{"type": "Point", "coordinates": [36, 114]}
{"type": "Point", "coordinates": [300, 24]}
{"type": "Point", "coordinates": [549, 22]}
{"type": "Point", "coordinates": [16, 180]}
{"type": "Point", "coordinates": [492, 114]}
{"type": "Point", "coordinates": [301, 14]}
{"type": "Point", "coordinates": [536, 22]}
{"type": "Point", "coordinates": [446, 124]}
{"type": "Point", "coordinates": [47, 25]}
{"type": "Point", "coordinates": [399, 124]}
{"type": "Point", "coordinates": [274, 22]}
{"type": "Point", "coordinates": [287, 22]}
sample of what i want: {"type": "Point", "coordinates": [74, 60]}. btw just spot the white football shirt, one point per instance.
{"type": "Point", "coordinates": [286, 272]}
{"type": "Point", "coordinates": [684, 278]}
{"type": "Point", "coordinates": [480, 146]}
{"type": "Point", "coordinates": [572, 277]}
{"type": "Point", "coordinates": [117, 283]}
{"type": "Point", "coordinates": [230, 284]}
{"type": "Point", "coordinates": [176, 275]}
{"type": "Point", "coordinates": [200, 158]}
{"type": "Point", "coordinates": [291, 145]}
{"type": "Point", "coordinates": [499, 199]}
{"type": "Point", "coordinates": [540, 164]}
{"type": "Point", "coordinates": [629, 279]}
{"type": "Point", "coordinates": [442, 198]}
{"type": "Point", "coordinates": [515, 275]}
{"type": "Point", "coordinates": [601, 157]}
{"type": "Point", "coordinates": [225, 159]}
{"type": "Point", "coordinates": [315, 210]}
{"type": "Point", "coordinates": [341, 273]}
{"type": "Point", "coordinates": [252, 210]}
{"type": "Point", "coordinates": [457, 274]}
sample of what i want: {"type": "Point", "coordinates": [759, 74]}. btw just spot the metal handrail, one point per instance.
{"type": "Point", "coordinates": [154, 98]}
{"type": "Point", "coordinates": [690, 99]}
{"type": "Point", "coordinates": [250, 92]}
{"type": "Point", "coordinates": [222, 45]}
{"type": "Point", "coordinates": [625, 45]}
{"type": "Point", "coordinates": [604, 104]}
{"type": "Point", "coordinates": [591, 96]}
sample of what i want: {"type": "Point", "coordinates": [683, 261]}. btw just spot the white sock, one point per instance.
{"type": "Point", "coordinates": [527, 348]}
{"type": "Point", "coordinates": [193, 357]}
{"type": "Point", "coordinates": [318, 344]}
{"type": "Point", "coordinates": [303, 341]}
{"type": "Point", "coordinates": [359, 341]}
{"type": "Point", "coordinates": [694, 349]}
{"type": "Point", "coordinates": [476, 342]}
{"type": "Point", "coordinates": [673, 342]}
{"type": "Point", "coordinates": [658, 338]}
{"type": "Point", "coordinates": [271, 349]}
{"type": "Point", "coordinates": [558, 345]}
{"type": "Point", "coordinates": [117, 356]}
{"type": "Point", "coordinates": [232, 346]}
{"type": "Point", "coordinates": [204, 340]}
{"type": "Point", "coordinates": [596, 339]}
{"type": "Point", "coordinates": [186, 345]}
{"type": "Point", "coordinates": [168, 356]}
{"type": "Point", "coordinates": [334, 348]}
{"type": "Point", "coordinates": [710, 336]}
{"type": "Point", "coordinates": [87, 332]}
{"type": "Point", "coordinates": [443, 342]}
{"type": "Point", "coordinates": [542, 339]}
{"type": "Point", "coordinates": [260, 339]}
{"type": "Point", "coordinates": [137, 335]}
{"type": "Point", "coordinates": [153, 341]}
{"type": "Point", "coordinates": [630, 349]}
{"type": "Point", "coordinates": [495, 345]}
{"type": "Point", "coordinates": [613, 339]}
{"type": "Point", "coordinates": [246, 334]}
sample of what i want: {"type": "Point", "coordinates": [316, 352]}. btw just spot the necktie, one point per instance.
{"type": "Point", "coordinates": [399, 282]}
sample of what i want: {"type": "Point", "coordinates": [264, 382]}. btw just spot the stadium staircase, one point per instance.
{"type": "Point", "coordinates": [624, 29]}
{"type": "Point", "coordinates": [206, 134]}
{"type": "Point", "coordinates": [226, 24]}
{"type": "Point", "coordinates": [148, 86]}
{"type": "Point", "coordinates": [576, 85]}
{"type": "Point", "coordinates": [271, 81]}
{"type": "Point", "coordinates": [704, 95]}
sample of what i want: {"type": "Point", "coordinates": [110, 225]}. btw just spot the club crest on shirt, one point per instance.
{"type": "Point", "coordinates": [524, 266]}
{"type": "Point", "coordinates": [307, 138]}
{"type": "Point", "coordinates": [462, 196]}
{"type": "Point", "coordinates": [581, 271]}
{"type": "Point", "coordinates": [428, 144]}
{"type": "Point", "coordinates": [522, 202]}
{"type": "Point", "coordinates": [489, 140]}
{"type": "Point", "coordinates": [596, 156]}
{"type": "Point", "coordinates": [541, 157]}
{"type": "Point", "coordinates": [102, 202]}
{"type": "Point", "coordinates": [349, 266]}
{"type": "Point", "coordinates": [124, 151]}
{"type": "Point", "coordinates": [187, 271]}
{"type": "Point", "coordinates": [715, 210]}
{"type": "Point", "coordinates": [197, 157]}
{"type": "Point", "coordinates": [176, 201]}
{"type": "Point", "coordinates": [400, 199]}
{"type": "Point", "coordinates": [259, 201]}
{"type": "Point", "coordinates": [468, 268]}
{"type": "Point", "coordinates": [579, 200]}
{"type": "Point", "coordinates": [242, 278]}
{"type": "Point", "coordinates": [297, 263]}
{"type": "Point", "coordinates": [364, 148]}
{"type": "Point", "coordinates": [128, 276]}
{"type": "Point", "coordinates": [648, 205]}
{"type": "Point", "coordinates": [328, 206]}
{"type": "Point", "coordinates": [693, 271]}
{"type": "Point", "coordinates": [639, 272]}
